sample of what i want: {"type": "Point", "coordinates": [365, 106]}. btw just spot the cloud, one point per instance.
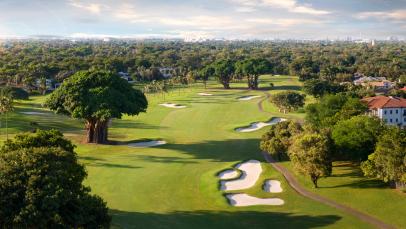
{"type": "Point", "coordinates": [289, 5]}
{"type": "Point", "coordinates": [395, 15]}
{"type": "Point", "coordinates": [284, 22]}
{"type": "Point", "coordinates": [129, 13]}
{"type": "Point", "coordinates": [94, 8]}
{"type": "Point", "coordinates": [293, 6]}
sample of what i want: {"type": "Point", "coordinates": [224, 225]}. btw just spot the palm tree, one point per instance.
{"type": "Point", "coordinates": [6, 104]}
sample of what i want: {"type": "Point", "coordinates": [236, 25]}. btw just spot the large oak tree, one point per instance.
{"type": "Point", "coordinates": [97, 97]}
{"type": "Point", "coordinates": [224, 70]}
{"type": "Point", "coordinates": [253, 68]}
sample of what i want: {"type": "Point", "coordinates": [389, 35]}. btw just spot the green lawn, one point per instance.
{"type": "Point", "coordinates": [175, 185]}
{"type": "Point", "coordinates": [349, 187]}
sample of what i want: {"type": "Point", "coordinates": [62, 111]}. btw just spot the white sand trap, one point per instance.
{"type": "Point", "coordinates": [228, 174]}
{"type": "Point", "coordinates": [245, 98]}
{"type": "Point", "coordinates": [172, 105]}
{"type": "Point", "coordinates": [273, 186]}
{"type": "Point", "coordinates": [205, 94]}
{"type": "Point", "coordinates": [242, 200]}
{"type": "Point", "coordinates": [251, 170]}
{"type": "Point", "coordinates": [147, 144]}
{"type": "Point", "coordinates": [33, 113]}
{"type": "Point", "coordinates": [259, 125]}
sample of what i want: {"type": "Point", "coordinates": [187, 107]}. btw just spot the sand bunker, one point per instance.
{"type": "Point", "coordinates": [241, 200]}
{"type": "Point", "coordinates": [249, 97]}
{"type": "Point", "coordinates": [228, 174]}
{"type": "Point", "coordinates": [147, 144]}
{"type": "Point", "coordinates": [259, 125]}
{"type": "Point", "coordinates": [204, 94]}
{"type": "Point", "coordinates": [273, 186]}
{"type": "Point", "coordinates": [33, 113]}
{"type": "Point", "coordinates": [251, 170]}
{"type": "Point", "coordinates": [172, 105]}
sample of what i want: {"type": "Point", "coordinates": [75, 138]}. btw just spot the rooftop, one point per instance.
{"type": "Point", "coordinates": [384, 102]}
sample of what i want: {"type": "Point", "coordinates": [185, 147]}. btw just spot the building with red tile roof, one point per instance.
{"type": "Point", "coordinates": [392, 110]}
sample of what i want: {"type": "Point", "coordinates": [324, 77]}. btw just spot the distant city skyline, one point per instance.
{"type": "Point", "coordinates": [199, 19]}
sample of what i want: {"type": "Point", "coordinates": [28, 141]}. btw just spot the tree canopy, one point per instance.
{"type": "Point", "coordinates": [311, 156]}
{"type": "Point", "coordinates": [279, 138]}
{"type": "Point", "coordinates": [224, 70]}
{"type": "Point", "coordinates": [356, 137]}
{"type": "Point", "coordinates": [318, 88]}
{"type": "Point", "coordinates": [288, 100]}
{"type": "Point", "coordinates": [332, 108]}
{"type": "Point", "coordinates": [97, 97]}
{"type": "Point", "coordinates": [252, 68]}
{"type": "Point", "coordinates": [41, 186]}
{"type": "Point", "coordinates": [388, 162]}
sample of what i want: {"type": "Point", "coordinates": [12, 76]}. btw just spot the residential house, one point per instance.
{"type": "Point", "coordinates": [391, 110]}
{"type": "Point", "coordinates": [377, 83]}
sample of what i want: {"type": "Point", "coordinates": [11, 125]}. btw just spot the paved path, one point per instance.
{"type": "Point", "coordinates": [302, 191]}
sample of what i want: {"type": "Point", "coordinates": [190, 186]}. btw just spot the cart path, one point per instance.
{"type": "Point", "coordinates": [292, 181]}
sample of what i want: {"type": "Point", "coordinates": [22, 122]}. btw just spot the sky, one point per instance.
{"type": "Point", "coordinates": [191, 19]}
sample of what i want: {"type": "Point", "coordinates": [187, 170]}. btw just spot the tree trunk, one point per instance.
{"type": "Point", "coordinates": [314, 180]}
{"type": "Point", "coordinates": [6, 126]}
{"type": "Point", "coordinates": [226, 84]}
{"type": "Point", "coordinates": [97, 131]}
{"type": "Point", "coordinates": [253, 82]}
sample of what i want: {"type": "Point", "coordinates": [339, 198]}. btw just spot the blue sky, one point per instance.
{"type": "Point", "coordinates": [231, 19]}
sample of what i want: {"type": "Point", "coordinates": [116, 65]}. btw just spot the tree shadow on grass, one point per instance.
{"type": "Point", "coordinates": [218, 220]}
{"type": "Point", "coordinates": [365, 183]}
{"type": "Point", "coordinates": [287, 87]}
{"type": "Point", "coordinates": [223, 151]}
{"type": "Point", "coordinates": [118, 124]}
{"type": "Point", "coordinates": [98, 162]}
{"type": "Point", "coordinates": [161, 159]}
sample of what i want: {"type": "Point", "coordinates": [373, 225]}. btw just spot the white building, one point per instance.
{"type": "Point", "coordinates": [166, 72]}
{"type": "Point", "coordinates": [391, 110]}
{"type": "Point", "coordinates": [126, 76]}
{"type": "Point", "coordinates": [48, 83]}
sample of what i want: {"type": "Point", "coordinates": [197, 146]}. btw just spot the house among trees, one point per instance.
{"type": "Point", "coordinates": [49, 86]}
{"type": "Point", "coordinates": [377, 83]}
{"type": "Point", "coordinates": [391, 110]}
{"type": "Point", "coordinates": [166, 72]}
{"type": "Point", "coordinates": [126, 76]}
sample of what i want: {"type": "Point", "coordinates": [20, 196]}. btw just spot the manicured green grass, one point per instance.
{"type": "Point", "coordinates": [175, 185]}
{"type": "Point", "coordinates": [349, 187]}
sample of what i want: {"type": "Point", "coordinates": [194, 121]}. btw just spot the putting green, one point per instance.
{"type": "Point", "coordinates": [175, 185]}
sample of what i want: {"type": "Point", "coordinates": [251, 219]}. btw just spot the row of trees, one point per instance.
{"type": "Point", "coordinates": [22, 64]}
{"type": "Point", "coordinates": [337, 129]}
